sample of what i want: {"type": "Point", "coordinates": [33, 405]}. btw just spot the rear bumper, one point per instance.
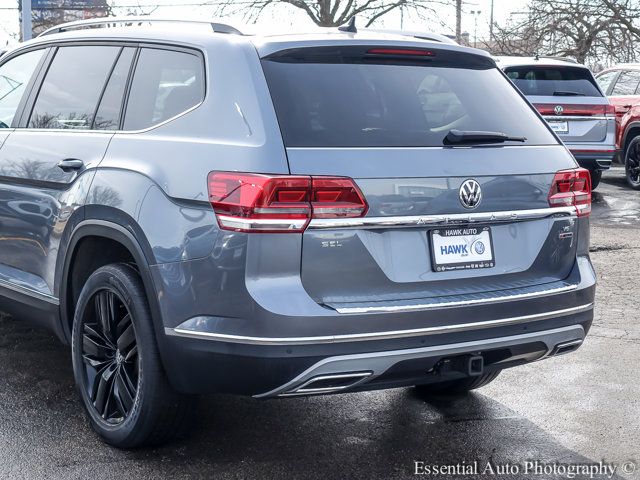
{"type": "Point", "coordinates": [506, 333]}
{"type": "Point", "coordinates": [205, 366]}
{"type": "Point", "coordinates": [593, 158]}
{"type": "Point", "coordinates": [419, 365]}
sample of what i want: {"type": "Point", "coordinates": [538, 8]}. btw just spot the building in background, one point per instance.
{"type": "Point", "coordinates": [48, 13]}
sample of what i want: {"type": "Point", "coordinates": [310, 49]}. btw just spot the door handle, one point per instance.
{"type": "Point", "coordinates": [70, 165]}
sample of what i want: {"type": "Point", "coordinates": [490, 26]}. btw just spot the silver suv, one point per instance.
{"type": "Point", "coordinates": [567, 95]}
{"type": "Point", "coordinates": [195, 210]}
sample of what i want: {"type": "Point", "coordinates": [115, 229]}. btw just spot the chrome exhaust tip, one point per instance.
{"type": "Point", "coordinates": [566, 347]}
{"type": "Point", "coordinates": [328, 384]}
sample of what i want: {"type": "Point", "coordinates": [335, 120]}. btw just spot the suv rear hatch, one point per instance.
{"type": "Point", "coordinates": [380, 115]}
{"type": "Point", "coordinates": [568, 97]}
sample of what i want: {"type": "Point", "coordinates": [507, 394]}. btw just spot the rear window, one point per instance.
{"type": "Point", "coordinates": [554, 81]}
{"type": "Point", "coordinates": [345, 101]}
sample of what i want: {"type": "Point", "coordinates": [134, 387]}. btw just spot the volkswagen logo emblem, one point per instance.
{"type": "Point", "coordinates": [470, 194]}
{"type": "Point", "coordinates": [559, 110]}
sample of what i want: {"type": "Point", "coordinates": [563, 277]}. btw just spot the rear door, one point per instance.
{"type": "Point", "coordinates": [381, 118]}
{"type": "Point", "coordinates": [568, 97]}
{"type": "Point", "coordinates": [46, 161]}
{"type": "Point", "coordinates": [17, 75]}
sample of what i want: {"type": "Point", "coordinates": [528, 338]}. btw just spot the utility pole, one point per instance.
{"type": "Point", "coordinates": [25, 15]}
{"type": "Point", "coordinates": [491, 23]}
{"type": "Point", "coordinates": [459, 21]}
{"type": "Point", "coordinates": [475, 14]}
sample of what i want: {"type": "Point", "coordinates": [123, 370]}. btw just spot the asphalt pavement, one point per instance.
{"type": "Point", "coordinates": [535, 421]}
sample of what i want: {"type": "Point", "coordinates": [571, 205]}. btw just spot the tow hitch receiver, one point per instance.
{"type": "Point", "coordinates": [472, 365]}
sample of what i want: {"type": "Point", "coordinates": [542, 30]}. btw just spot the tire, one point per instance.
{"type": "Point", "coordinates": [596, 176]}
{"type": "Point", "coordinates": [632, 163]}
{"type": "Point", "coordinates": [116, 363]}
{"type": "Point", "coordinates": [456, 387]}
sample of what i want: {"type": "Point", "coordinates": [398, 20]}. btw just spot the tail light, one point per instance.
{"type": "Point", "coordinates": [401, 51]}
{"type": "Point", "coordinates": [248, 202]}
{"type": "Point", "coordinates": [549, 109]}
{"type": "Point", "coordinates": [572, 188]}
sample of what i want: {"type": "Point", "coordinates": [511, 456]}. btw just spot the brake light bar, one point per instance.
{"type": "Point", "coordinates": [549, 109]}
{"type": "Point", "coordinates": [249, 202]}
{"type": "Point", "coordinates": [572, 188]}
{"type": "Point", "coordinates": [401, 51]}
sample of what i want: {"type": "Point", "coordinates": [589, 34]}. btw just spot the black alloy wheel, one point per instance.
{"type": "Point", "coordinates": [110, 356]}
{"type": "Point", "coordinates": [632, 164]}
{"type": "Point", "coordinates": [117, 364]}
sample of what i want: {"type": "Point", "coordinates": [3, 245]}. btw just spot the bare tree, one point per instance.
{"type": "Point", "coordinates": [587, 30]}
{"type": "Point", "coordinates": [332, 13]}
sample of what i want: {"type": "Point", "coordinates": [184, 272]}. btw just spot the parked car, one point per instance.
{"type": "Point", "coordinates": [568, 97]}
{"type": "Point", "coordinates": [620, 83]}
{"type": "Point", "coordinates": [194, 210]}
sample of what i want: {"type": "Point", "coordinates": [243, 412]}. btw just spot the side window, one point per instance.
{"type": "Point", "coordinates": [165, 84]}
{"type": "Point", "coordinates": [72, 87]}
{"type": "Point", "coordinates": [627, 83]}
{"type": "Point", "coordinates": [14, 78]}
{"type": "Point", "coordinates": [108, 114]}
{"type": "Point", "coordinates": [604, 80]}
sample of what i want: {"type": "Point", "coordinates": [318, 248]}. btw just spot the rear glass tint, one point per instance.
{"type": "Point", "coordinates": [166, 83]}
{"type": "Point", "coordinates": [369, 104]}
{"type": "Point", "coordinates": [554, 81]}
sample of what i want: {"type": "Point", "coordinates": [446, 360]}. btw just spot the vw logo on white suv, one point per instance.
{"type": "Point", "coordinates": [470, 194]}
{"type": "Point", "coordinates": [559, 110]}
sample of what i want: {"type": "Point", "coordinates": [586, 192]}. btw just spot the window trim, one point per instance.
{"type": "Point", "coordinates": [104, 89]}
{"type": "Point", "coordinates": [28, 101]}
{"type": "Point", "coordinates": [127, 88]}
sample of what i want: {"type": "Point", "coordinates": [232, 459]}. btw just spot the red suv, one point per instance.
{"type": "Point", "coordinates": [622, 85]}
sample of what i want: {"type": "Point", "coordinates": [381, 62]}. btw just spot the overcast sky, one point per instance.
{"type": "Point", "coordinates": [286, 16]}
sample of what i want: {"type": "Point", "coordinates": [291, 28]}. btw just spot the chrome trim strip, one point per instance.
{"type": "Point", "coordinates": [261, 223]}
{"type": "Point", "coordinates": [29, 292]}
{"type": "Point", "coordinates": [460, 303]}
{"type": "Point", "coordinates": [561, 118]}
{"type": "Point", "coordinates": [432, 220]}
{"type": "Point", "coordinates": [361, 337]}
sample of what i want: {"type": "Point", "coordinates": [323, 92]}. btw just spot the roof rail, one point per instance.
{"type": "Point", "coordinates": [133, 21]}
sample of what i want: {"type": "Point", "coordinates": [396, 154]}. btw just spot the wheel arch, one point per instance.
{"type": "Point", "coordinates": [134, 244]}
{"type": "Point", "coordinates": [632, 130]}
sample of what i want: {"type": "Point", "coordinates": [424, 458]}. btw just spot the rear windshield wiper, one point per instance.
{"type": "Point", "coordinates": [459, 137]}
{"type": "Point", "coordinates": [566, 93]}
